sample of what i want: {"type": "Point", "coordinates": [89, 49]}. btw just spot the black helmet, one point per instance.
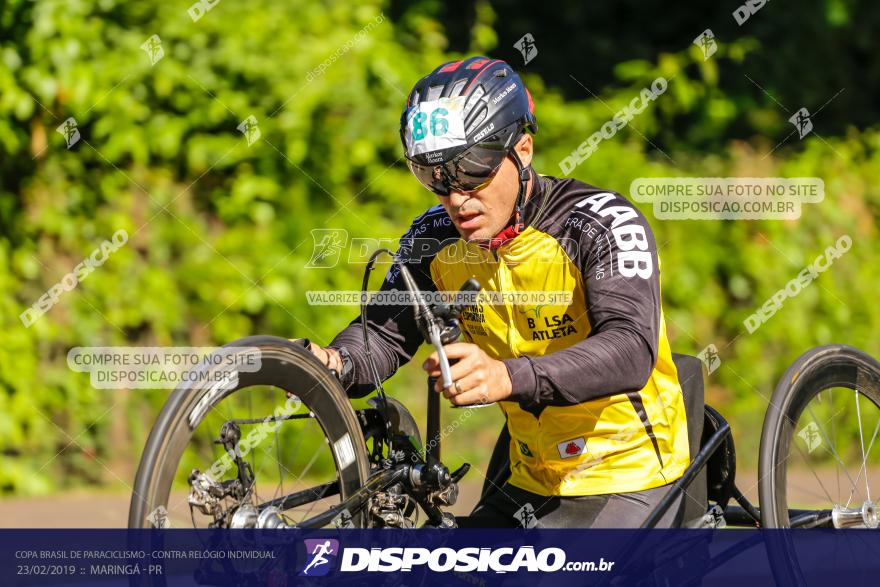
{"type": "Point", "coordinates": [478, 101]}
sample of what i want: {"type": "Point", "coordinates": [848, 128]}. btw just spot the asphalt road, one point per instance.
{"type": "Point", "coordinates": [110, 509]}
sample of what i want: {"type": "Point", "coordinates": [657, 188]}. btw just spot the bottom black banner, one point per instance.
{"type": "Point", "coordinates": [434, 557]}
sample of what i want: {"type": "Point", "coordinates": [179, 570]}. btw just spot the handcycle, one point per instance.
{"type": "Point", "coordinates": [380, 474]}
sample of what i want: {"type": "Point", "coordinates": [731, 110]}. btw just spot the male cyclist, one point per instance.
{"type": "Point", "coordinates": [594, 409]}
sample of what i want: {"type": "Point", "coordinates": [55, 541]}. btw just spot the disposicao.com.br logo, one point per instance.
{"type": "Point", "coordinates": [322, 552]}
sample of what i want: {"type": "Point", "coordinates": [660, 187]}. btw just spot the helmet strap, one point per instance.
{"type": "Point", "coordinates": [524, 176]}
{"type": "Point", "coordinates": [518, 224]}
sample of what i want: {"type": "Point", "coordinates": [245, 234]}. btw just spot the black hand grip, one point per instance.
{"type": "Point", "coordinates": [469, 286]}
{"type": "Point", "coordinates": [450, 333]}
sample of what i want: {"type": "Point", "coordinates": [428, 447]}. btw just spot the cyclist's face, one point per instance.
{"type": "Point", "coordinates": [483, 214]}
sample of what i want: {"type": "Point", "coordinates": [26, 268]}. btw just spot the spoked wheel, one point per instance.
{"type": "Point", "coordinates": [282, 442]}
{"type": "Point", "coordinates": [820, 455]}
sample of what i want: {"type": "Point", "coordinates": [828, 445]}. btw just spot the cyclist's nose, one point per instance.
{"type": "Point", "coordinates": [457, 199]}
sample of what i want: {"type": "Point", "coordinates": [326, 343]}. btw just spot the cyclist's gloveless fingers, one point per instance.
{"type": "Point", "coordinates": [460, 350]}
{"type": "Point", "coordinates": [469, 369]}
{"type": "Point", "coordinates": [476, 395]}
{"type": "Point", "coordinates": [456, 350]}
{"type": "Point", "coordinates": [457, 370]}
{"type": "Point", "coordinates": [466, 383]}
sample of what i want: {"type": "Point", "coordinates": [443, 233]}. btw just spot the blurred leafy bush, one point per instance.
{"type": "Point", "coordinates": [220, 231]}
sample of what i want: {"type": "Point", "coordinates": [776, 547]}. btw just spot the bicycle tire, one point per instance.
{"type": "Point", "coordinates": [818, 369]}
{"type": "Point", "coordinates": [283, 365]}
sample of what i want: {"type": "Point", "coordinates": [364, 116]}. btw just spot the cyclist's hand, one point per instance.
{"type": "Point", "coordinates": [480, 378]}
{"type": "Point", "coordinates": [330, 357]}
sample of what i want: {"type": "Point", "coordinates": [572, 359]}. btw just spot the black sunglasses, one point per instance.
{"type": "Point", "coordinates": [471, 170]}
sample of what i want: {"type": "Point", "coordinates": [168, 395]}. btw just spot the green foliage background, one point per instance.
{"type": "Point", "coordinates": [220, 231]}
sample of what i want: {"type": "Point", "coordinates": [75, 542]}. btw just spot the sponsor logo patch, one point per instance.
{"type": "Point", "coordinates": [571, 448]}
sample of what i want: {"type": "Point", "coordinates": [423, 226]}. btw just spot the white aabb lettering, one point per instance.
{"type": "Point", "coordinates": [634, 258]}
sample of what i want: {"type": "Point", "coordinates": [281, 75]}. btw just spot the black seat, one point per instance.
{"type": "Point", "coordinates": [690, 377]}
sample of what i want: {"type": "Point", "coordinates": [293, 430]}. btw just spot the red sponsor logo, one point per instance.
{"type": "Point", "coordinates": [571, 448]}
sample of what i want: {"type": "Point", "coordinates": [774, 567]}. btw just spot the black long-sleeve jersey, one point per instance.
{"type": "Point", "coordinates": [596, 406]}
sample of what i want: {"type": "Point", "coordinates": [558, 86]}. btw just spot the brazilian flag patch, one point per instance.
{"type": "Point", "coordinates": [524, 449]}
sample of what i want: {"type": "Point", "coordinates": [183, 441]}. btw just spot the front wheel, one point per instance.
{"type": "Point", "coordinates": [819, 460]}
{"type": "Point", "coordinates": [284, 438]}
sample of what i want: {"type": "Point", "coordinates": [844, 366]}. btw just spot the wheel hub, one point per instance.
{"type": "Point", "coordinates": [865, 516]}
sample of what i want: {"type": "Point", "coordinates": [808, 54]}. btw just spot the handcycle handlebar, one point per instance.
{"type": "Point", "coordinates": [437, 323]}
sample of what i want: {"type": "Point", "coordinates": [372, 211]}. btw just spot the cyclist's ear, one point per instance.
{"type": "Point", "coordinates": [525, 149]}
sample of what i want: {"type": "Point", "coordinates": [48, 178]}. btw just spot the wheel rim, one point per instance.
{"type": "Point", "coordinates": [831, 461]}
{"type": "Point", "coordinates": [166, 457]}
{"type": "Point", "coordinates": [828, 396]}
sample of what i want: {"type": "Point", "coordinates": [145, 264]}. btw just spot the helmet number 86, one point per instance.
{"type": "Point", "coordinates": [438, 126]}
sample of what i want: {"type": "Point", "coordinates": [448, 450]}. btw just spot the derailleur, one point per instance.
{"type": "Point", "coordinates": [207, 494]}
{"type": "Point", "coordinates": [393, 508]}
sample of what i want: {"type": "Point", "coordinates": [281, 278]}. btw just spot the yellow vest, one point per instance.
{"type": "Point", "coordinates": [627, 441]}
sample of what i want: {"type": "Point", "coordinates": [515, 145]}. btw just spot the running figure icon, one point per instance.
{"type": "Point", "coordinates": [319, 556]}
